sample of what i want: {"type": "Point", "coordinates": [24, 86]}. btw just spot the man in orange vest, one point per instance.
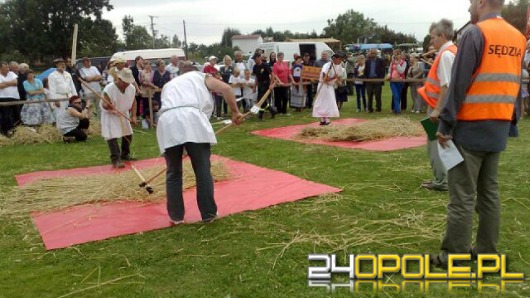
{"type": "Point", "coordinates": [485, 85]}
{"type": "Point", "coordinates": [434, 91]}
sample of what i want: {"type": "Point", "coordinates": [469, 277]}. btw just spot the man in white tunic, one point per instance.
{"type": "Point", "coordinates": [90, 74]}
{"type": "Point", "coordinates": [119, 100]}
{"type": "Point", "coordinates": [60, 84]}
{"type": "Point", "coordinates": [184, 123]}
{"type": "Point", "coordinates": [325, 105]}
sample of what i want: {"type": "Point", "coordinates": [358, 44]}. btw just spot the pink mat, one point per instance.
{"type": "Point", "coordinates": [290, 133]}
{"type": "Point", "coordinates": [250, 188]}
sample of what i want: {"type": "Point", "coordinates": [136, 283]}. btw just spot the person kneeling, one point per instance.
{"type": "Point", "coordinates": [73, 122]}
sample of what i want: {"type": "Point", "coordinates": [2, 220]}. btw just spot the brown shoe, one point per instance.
{"type": "Point", "coordinates": [431, 186]}
{"type": "Point", "coordinates": [118, 165]}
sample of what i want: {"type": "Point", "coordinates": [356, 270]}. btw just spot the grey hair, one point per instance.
{"type": "Point", "coordinates": [23, 66]}
{"type": "Point", "coordinates": [445, 27]}
{"type": "Point", "coordinates": [496, 3]}
{"type": "Point", "coordinates": [187, 66]}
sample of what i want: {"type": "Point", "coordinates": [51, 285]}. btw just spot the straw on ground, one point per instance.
{"type": "Point", "coordinates": [57, 193]}
{"type": "Point", "coordinates": [365, 131]}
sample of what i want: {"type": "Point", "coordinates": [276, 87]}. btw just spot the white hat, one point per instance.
{"type": "Point", "coordinates": [125, 75]}
{"type": "Point", "coordinates": [212, 57]}
{"type": "Point", "coordinates": [120, 60]}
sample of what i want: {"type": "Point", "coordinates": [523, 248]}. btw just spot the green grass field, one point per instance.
{"type": "Point", "coordinates": [262, 253]}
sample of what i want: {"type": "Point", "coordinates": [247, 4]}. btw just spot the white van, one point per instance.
{"type": "Point", "coordinates": [150, 54]}
{"type": "Point", "coordinates": [290, 48]}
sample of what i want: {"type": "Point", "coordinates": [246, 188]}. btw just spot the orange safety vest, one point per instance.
{"type": "Point", "coordinates": [431, 89]}
{"type": "Point", "coordinates": [497, 81]}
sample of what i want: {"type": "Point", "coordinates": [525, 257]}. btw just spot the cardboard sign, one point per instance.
{"type": "Point", "coordinates": [311, 73]}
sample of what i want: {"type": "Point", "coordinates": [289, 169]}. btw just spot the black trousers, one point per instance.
{"type": "Point", "coordinates": [311, 88]}
{"type": "Point", "coordinates": [7, 116]}
{"type": "Point", "coordinates": [199, 154]}
{"type": "Point", "coordinates": [78, 132]}
{"type": "Point", "coordinates": [350, 83]}
{"type": "Point", "coordinates": [115, 154]}
{"type": "Point", "coordinates": [374, 89]}
{"type": "Point", "coordinates": [266, 104]}
{"type": "Point", "coordinates": [281, 99]}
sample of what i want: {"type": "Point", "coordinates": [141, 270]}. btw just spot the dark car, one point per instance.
{"type": "Point", "coordinates": [99, 62]}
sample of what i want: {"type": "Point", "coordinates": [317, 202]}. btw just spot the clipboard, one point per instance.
{"type": "Point", "coordinates": [430, 128]}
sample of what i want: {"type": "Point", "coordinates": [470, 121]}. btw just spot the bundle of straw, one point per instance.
{"type": "Point", "coordinates": [95, 128]}
{"type": "Point", "coordinates": [50, 133]}
{"type": "Point", "coordinates": [58, 193]}
{"type": "Point", "coordinates": [5, 141]}
{"type": "Point", "coordinates": [366, 131]}
{"type": "Point", "coordinates": [27, 135]}
{"type": "Point", "coordinates": [45, 133]}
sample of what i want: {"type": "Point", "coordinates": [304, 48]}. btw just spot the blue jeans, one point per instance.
{"type": "Point", "coordinates": [361, 93]}
{"type": "Point", "coordinates": [396, 88]}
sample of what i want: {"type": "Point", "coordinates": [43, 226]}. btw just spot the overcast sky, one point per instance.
{"type": "Point", "coordinates": [207, 19]}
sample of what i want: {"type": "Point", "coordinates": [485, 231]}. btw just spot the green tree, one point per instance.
{"type": "Point", "coordinates": [162, 42]}
{"type": "Point", "coordinates": [426, 42]}
{"type": "Point", "coordinates": [135, 37]}
{"type": "Point", "coordinates": [44, 27]}
{"type": "Point", "coordinates": [386, 35]}
{"type": "Point", "coordinates": [176, 43]}
{"type": "Point", "coordinates": [515, 14]}
{"type": "Point", "coordinates": [350, 26]}
{"type": "Point", "coordinates": [97, 38]}
{"type": "Point", "coordinates": [226, 40]}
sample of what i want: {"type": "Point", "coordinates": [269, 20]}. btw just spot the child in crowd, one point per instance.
{"type": "Point", "coordinates": [247, 85]}
{"type": "Point", "coordinates": [218, 98]}
{"type": "Point", "coordinates": [233, 81]}
{"type": "Point", "coordinates": [146, 122]}
{"type": "Point", "coordinates": [297, 90]}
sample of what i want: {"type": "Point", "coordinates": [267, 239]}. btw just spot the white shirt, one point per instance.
{"type": "Point", "coordinates": [241, 66]}
{"type": "Point", "coordinates": [333, 71]}
{"type": "Point", "coordinates": [11, 91]}
{"type": "Point", "coordinates": [446, 63]}
{"type": "Point", "coordinates": [249, 85]}
{"type": "Point", "coordinates": [90, 72]}
{"type": "Point", "coordinates": [235, 80]}
{"type": "Point", "coordinates": [61, 85]}
{"type": "Point", "coordinates": [173, 70]}
{"type": "Point", "coordinates": [116, 126]}
{"type": "Point", "coordinates": [186, 107]}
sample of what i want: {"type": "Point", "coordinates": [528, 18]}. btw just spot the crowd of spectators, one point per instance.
{"type": "Point", "coordinates": [363, 79]}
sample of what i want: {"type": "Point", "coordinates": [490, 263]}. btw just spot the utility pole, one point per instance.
{"type": "Point", "coordinates": [153, 31]}
{"type": "Point", "coordinates": [185, 40]}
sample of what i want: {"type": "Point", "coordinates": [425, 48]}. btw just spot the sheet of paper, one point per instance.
{"type": "Point", "coordinates": [449, 155]}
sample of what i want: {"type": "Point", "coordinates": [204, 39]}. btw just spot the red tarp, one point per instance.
{"type": "Point", "coordinates": [291, 132]}
{"type": "Point", "coordinates": [249, 188]}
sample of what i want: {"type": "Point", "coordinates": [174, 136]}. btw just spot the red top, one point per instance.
{"type": "Point", "coordinates": [281, 69]}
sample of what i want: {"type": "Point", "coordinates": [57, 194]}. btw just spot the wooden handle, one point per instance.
{"type": "Point", "coordinates": [138, 173]}
{"type": "Point", "coordinates": [428, 53]}
{"type": "Point", "coordinates": [156, 175]}
{"type": "Point", "coordinates": [102, 97]}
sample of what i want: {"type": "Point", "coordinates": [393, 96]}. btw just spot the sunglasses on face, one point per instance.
{"type": "Point", "coordinates": [76, 102]}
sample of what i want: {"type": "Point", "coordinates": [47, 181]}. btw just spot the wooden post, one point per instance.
{"type": "Point", "coordinates": [151, 120]}
{"type": "Point", "coordinates": [74, 45]}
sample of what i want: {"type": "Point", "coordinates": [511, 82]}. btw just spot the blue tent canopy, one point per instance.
{"type": "Point", "coordinates": [45, 73]}
{"type": "Point", "coordinates": [379, 46]}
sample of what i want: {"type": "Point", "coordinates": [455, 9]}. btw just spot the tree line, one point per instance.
{"type": "Point", "coordinates": [39, 30]}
